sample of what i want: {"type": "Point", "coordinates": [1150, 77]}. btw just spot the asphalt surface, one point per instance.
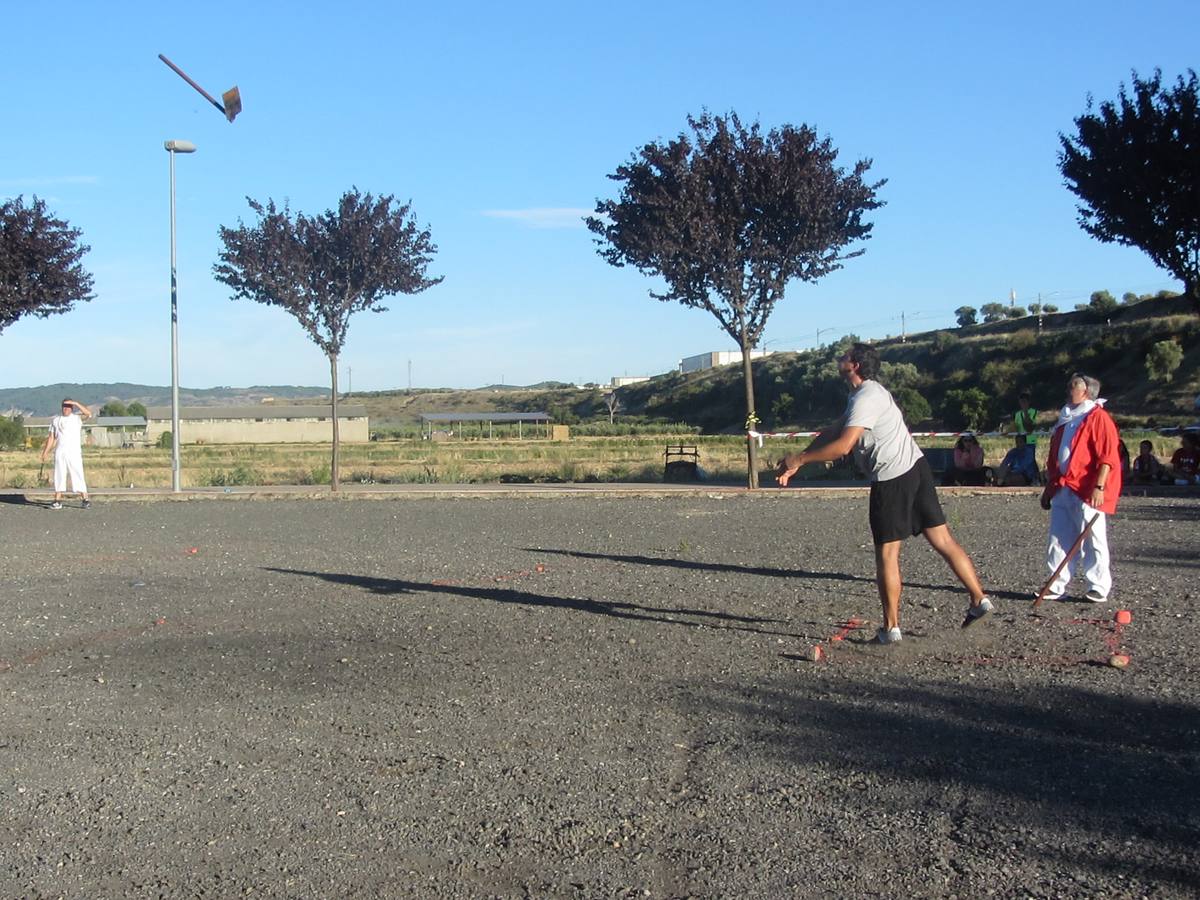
{"type": "Point", "coordinates": [586, 696]}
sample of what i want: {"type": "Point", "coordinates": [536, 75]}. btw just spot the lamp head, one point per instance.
{"type": "Point", "coordinates": [179, 146]}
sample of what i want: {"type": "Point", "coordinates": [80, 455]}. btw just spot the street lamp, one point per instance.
{"type": "Point", "coordinates": [173, 147]}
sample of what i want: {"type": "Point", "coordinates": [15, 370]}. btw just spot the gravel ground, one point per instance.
{"type": "Point", "coordinates": [586, 697]}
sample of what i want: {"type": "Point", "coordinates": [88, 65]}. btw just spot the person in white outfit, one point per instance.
{"type": "Point", "coordinates": [66, 440]}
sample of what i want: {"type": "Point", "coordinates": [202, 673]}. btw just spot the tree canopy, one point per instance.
{"type": "Point", "coordinates": [727, 215]}
{"type": "Point", "coordinates": [1135, 166]}
{"type": "Point", "coordinates": [325, 268]}
{"type": "Point", "coordinates": [40, 268]}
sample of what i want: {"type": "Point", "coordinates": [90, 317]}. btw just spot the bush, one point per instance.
{"type": "Point", "coordinates": [1022, 340]}
{"type": "Point", "coordinates": [1102, 303]}
{"type": "Point", "coordinates": [944, 341]}
{"type": "Point", "coordinates": [12, 433]}
{"type": "Point", "coordinates": [164, 441]}
{"type": "Point", "coordinates": [1163, 359]}
{"type": "Point", "coordinates": [238, 475]}
{"type": "Point", "coordinates": [965, 408]}
{"type": "Point", "coordinates": [914, 407]}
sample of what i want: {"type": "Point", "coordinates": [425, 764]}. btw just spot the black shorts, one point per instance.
{"type": "Point", "coordinates": [905, 506]}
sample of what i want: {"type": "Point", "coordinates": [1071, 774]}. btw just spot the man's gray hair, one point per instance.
{"type": "Point", "coordinates": [1092, 385]}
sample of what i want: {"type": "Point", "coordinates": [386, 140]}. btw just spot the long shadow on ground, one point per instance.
{"type": "Point", "coordinates": [665, 614]}
{"type": "Point", "coordinates": [1125, 769]}
{"type": "Point", "coordinates": [764, 571]}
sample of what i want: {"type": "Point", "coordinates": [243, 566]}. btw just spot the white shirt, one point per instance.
{"type": "Point", "coordinates": [68, 434]}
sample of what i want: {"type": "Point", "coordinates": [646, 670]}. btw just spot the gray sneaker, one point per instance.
{"type": "Point", "coordinates": [974, 613]}
{"type": "Point", "coordinates": [56, 505]}
{"type": "Point", "coordinates": [888, 636]}
{"type": "Point", "coordinates": [1094, 596]}
{"type": "Point", "coordinates": [87, 504]}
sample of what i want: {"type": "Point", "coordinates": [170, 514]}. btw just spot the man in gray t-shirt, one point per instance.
{"type": "Point", "coordinates": [903, 499]}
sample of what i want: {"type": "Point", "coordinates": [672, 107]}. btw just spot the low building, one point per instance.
{"type": "Point", "coordinates": [102, 431]}
{"type": "Point", "coordinates": [263, 424]}
{"type": "Point", "coordinates": [717, 358]}
{"type": "Point", "coordinates": [622, 380]}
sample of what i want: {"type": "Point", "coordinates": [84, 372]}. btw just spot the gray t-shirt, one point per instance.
{"type": "Point", "coordinates": [886, 450]}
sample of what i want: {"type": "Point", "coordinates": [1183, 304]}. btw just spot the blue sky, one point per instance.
{"type": "Point", "coordinates": [500, 122]}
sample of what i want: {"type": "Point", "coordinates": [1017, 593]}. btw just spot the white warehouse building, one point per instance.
{"type": "Point", "coordinates": [717, 358]}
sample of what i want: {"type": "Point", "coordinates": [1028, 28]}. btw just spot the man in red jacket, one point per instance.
{"type": "Point", "coordinates": [1083, 480]}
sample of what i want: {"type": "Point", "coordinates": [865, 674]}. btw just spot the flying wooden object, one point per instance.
{"type": "Point", "coordinates": [232, 100]}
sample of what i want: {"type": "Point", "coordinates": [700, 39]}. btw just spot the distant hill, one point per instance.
{"type": "Point", "coordinates": [798, 391]}
{"type": "Point", "coordinates": [45, 400]}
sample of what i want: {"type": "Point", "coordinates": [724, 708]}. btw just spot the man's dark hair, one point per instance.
{"type": "Point", "coordinates": [1025, 395]}
{"type": "Point", "coordinates": [867, 358]}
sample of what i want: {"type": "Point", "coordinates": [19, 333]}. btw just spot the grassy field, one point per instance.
{"type": "Point", "coordinates": [611, 459]}
{"type": "Point", "coordinates": [411, 461]}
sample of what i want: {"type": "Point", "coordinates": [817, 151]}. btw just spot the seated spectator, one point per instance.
{"type": "Point", "coordinates": [1185, 462]}
{"type": "Point", "coordinates": [1020, 466]}
{"type": "Point", "coordinates": [1145, 467]}
{"type": "Point", "coordinates": [968, 463]}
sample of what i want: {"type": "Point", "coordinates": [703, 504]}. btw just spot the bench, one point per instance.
{"type": "Point", "coordinates": [941, 461]}
{"type": "Point", "coordinates": [681, 462]}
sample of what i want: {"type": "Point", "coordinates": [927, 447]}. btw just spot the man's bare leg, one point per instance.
{"type": "Point", "coordinates": [887, 579]}
{"type": "Point", "coordinates": [943, 542]}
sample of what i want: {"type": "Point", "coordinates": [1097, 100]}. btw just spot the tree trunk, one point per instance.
{"type": "Point", "coordinates": [333, 468]}
{"type": "Point", "coordinates": [751, 443]}
{"type": "Point", "coordinates": [1191, 287]}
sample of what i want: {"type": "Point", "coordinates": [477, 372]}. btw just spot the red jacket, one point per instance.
{"type": "Point", "coordinates": [1096, 442]}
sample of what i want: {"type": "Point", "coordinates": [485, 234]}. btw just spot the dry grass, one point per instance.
{"type": "Point", "coordinates": [604, 459]}
{"type": "Point", "coordinates": [416, 461]}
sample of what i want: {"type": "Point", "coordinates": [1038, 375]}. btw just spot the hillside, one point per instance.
{"type": "Point", "coordinates": [45, 399]}
{"type": "Point", "coordinates": [798, 391]}
{"type": "Point", "coordinates": [803, 390]}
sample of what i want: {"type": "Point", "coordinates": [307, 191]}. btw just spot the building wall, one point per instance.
{"type": "Point", "coordinates": [716, 358]}
{"type": "Point", "coordinates": [267, 431]}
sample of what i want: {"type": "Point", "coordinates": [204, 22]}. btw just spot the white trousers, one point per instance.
{"type": "Point", "coordinates": [69, 464]}
{"type": "Point", "coordinates": [1067, 521]}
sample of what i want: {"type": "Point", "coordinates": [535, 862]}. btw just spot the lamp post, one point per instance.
{"type": "Point", "coordinates": [173, 147]}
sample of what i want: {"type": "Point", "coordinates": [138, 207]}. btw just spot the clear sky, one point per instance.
{"type": "Point", "coordinates": [500, 122]}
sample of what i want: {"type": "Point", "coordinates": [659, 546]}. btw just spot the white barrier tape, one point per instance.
{"type": "Point", "coordinates": [759, 435]}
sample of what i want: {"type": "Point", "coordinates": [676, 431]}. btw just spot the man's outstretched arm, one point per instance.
{"type": "Point", "coordinates": [827, 446]}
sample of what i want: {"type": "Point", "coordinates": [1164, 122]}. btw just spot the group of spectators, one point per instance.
{"type": "Point", "coordinates": [1019, 467]}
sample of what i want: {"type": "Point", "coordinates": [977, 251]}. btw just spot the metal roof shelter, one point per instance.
{"type": "Point", "coordinates": [88, 424]}
{"type": "Point", "coordinates": [428, 420]}
{"type": "Point", "coordinates": [261, 411]}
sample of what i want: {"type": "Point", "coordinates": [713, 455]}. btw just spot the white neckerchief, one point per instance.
{"type": "Point", "coordinates": [1069, 418]}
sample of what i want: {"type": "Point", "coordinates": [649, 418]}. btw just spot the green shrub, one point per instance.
{"type": "Point", "coordinates": [12, 433]}
{"type": "Point", "coordinates": [164, 441]}
{"type": "Point", "coordinates": [965, 408]}
{"type": "Point", "coordinates": [1163, 359]}
{"type": "Point", "coordinates": [944, 341]}
{"type": "Point", "coordinates": [914, 407]}
{"type": "Point", "coordinates": [1022, 340]}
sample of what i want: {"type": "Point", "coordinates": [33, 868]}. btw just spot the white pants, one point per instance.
{"type": "Point", "coordinates": [69, 464]}
{"type": "Point", "coordinates": [1067, 521]}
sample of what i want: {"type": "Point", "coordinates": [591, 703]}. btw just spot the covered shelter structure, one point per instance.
{"type": "Point", "coordinates": [481, 425]}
